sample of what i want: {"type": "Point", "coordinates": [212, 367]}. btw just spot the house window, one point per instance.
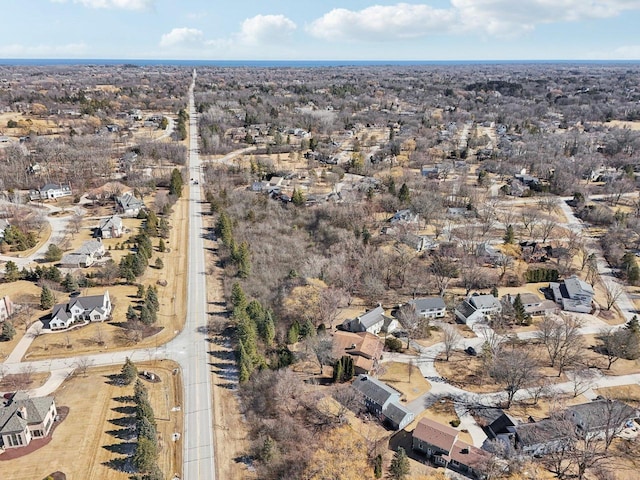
{"type": "Point", "coordinates": [15, 440]}
{"type": "Point", "coordinates": [37, 433]}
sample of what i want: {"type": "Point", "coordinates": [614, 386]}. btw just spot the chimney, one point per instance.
{"type": "Point", "coordinates": [22, 412]}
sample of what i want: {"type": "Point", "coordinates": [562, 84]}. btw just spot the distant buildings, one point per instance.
{"type": "Point", "coordinates": [573, 294]}
{"type": "Point", "coordinates": [476, 307]}
{"type": "Point", "coordinates": [111, 227]}
{"type": "Point", "coordinates": [128, 205]}
{"type": "Point", "coordinates": [372, 321]}
{"type": "Point", "coordinates": [85, 256]}
{"type": "Point", "coordinates": [51, 191]}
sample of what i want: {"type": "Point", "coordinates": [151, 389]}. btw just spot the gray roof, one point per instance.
{"type": "Point", "coordinates": [90, 303]}
{"type": "Point", "coordinates": [128, 201]}
{"type": "Point", "coordinates": [74, 258]}
{"type": "Point", "coordinates": [601, 414]}
{"type": "Point", "coordinates": [89, 247]}
{"type": "Point", "coordinates": [466, 309]}
{"type": "Point", "coordinates": [484, 301]}
{"type": "Point", "coordinates": [54, 186]}
{"type": "Point", "coordinates": [575, 286]}
{"type": "Point", "coordinates": [37, 408]}
{"type": "Point", "coordinates": [112, 222]}
{"type": "Point", "coordinates": [372, 317]}
{"type": "Point", "coordinates": [397, 413]}
{"type": "Point", "coordinates": [427, 303]}
{"type": "Point", "coordinates": [375, 390]}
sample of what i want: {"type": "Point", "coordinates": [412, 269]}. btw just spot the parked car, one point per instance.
{"type": "Point", "coordinates": [471, 351]}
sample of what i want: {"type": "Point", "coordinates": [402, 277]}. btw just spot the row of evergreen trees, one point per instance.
{"type": "Point", "coordinates": [145, 457]}
{"type": "Point", "coordinates": [148, 311]}
{"type": "Point", "coordinates": [239, 254]}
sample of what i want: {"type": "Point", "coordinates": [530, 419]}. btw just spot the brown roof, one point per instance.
{"type": "Point", "coordinates": [436, 434]}
{"type": "Point", "coordinates": [361, 344]}
{"type": "Point", "coordinates": [467, 454]}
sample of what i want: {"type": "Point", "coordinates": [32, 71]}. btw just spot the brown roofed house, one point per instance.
{"type": "Point", "coordinates": [364, 347]}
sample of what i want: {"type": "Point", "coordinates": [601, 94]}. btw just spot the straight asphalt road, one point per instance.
{"type": "Point", "coordinates": [199, 461]}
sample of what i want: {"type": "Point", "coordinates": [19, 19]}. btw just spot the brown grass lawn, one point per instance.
{"type": "Point", "coordinates": [626, 393]}
{"type": "Point", "coordinates": [23, 381]}
{"type": "Point", "coordinates": [21, 293]}
{"type": "Point", "coordinates": [172, 307]}
{"type": "Point", "coordinates": [465, 372]}
{"type": "Point", "coordinates": [545, 406]}
{"type": "Point", "coordinates": [79, 444]}
{"type": "Point", "coordinates": [397, 376]}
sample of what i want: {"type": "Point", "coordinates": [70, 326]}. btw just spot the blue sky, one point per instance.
{"type": "Point", "coordinates": [321, 29]}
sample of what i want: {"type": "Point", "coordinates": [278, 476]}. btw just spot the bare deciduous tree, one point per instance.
{"type": "Point", "coordinates": [612, 292]}
{"type": "Point", "coordinates": [514, 369]}
{"type": "Point", "coordinates": [560, 335]}
{"type": "Point", "coordinates": [451, 339]}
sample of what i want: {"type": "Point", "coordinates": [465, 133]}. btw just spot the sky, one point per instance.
{"type": "Point", "coordinates": [321, 29]}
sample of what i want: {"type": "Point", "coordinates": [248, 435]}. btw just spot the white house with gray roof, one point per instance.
{"type": "Point", "coordinates": [23, 419]}
{"type": "Point", "coordinates": [128, 205]}
{"type": "Point", "coordinates": [51, 191]}
{"type": "Point", "coordinates": [94, 308]}
{"type": "Point", "coordinates": [429, 307]}
{"type": "Point", "coordinates": [573, 294]}
{"type": "Point", "coordinates": [111, 227]}
{"type": "Point", "coordinates": [476, 308]}
{"type": "Point", "coordinates": [373, 321]}
{"type": "Point", "coordinates": [85, 256]}
{"type": "Point", "coordinates": [383, 401]}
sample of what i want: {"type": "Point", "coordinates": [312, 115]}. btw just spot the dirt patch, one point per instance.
{"type": "Point", "coordinates": [24, 380]}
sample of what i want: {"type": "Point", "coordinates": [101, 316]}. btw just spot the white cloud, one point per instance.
{"type": "Point", "coordinates": [627, 52]}
{"type": "Point", "coordinates": [382, 22]}
{"type": "Point", "coordinates": [265, 29]}
{"type": "Point", "coordinates": [43, 51]}
{"type": "Point", "coordinates": [183, 36]}
{"type": "Point", "coordinates": [117, 4]}
{"type": "Point", "coordinates": [493, 17]}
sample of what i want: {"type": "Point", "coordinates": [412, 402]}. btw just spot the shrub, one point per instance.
{"type": "Point", "coordinates": [455, 423]}
{"type": "Point", "coordinates": [393, 344]}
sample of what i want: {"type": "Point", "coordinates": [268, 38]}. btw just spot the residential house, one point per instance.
{"type": "Point", "coordinates": [364, 347]}
{"type": "Point", "coordinates": [3, 226]}
{"type": "Point", "coordinates": [429, 307]}
{"type": "Point", "coordinates": [51, 191]}
{"type": "Point", "coordinates": [111, 227]}
{"type": "Point", "coordinates": [94, 308]}
{"type": "Point", "coordinates": [598, 416]}
{"type": "Point", "coordinates": [418, 242]}
{"type": "Point", "coordinates": [573, 294]}
{"type": "Point", "coordinates": [6, 308]}
{"type": "Point", "coordinates": [383, 401]}
{"type": "Point", "coordinates": [440, 444]}
{"type": "Point", "coordinates": [23, 419]}
{"type": "Point", "coordinates": [373, 321]}
{"type": "Point", "coordinates": [404, 216]}
{"type": "Point", "coordinates": [476, 307]}
{"type": "Point", "coordinates": [534, 305]}
{"type": "Point", "coordinates": [489, 253]}
{"type": "Point", "coordinates": [129, 205]}
{"type": "Point", "coordinates": [85, 256]}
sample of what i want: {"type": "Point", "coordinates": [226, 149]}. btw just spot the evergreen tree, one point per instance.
{"type": "Point", "coordinates": [243, 260]}
{"type": "Point", "coordinates": [521, 314]}
{"type": "Point", "coordinates": [140, 393]}
{"type": "Point", "coordinates": [147, 316]}
{"type": "Point", "coordinates": [131, 313]}
{"type": "Point", "coordinates": [377, 466]}
{"type": "Point", "coordinates": [47, 299]}
{"type": "Point", "coordinates": [159, 263]}
{"type": "Point", "coordinates": [224, 229]}
{"type": "Point", "coordinates": [509, 235]}
{"type": "Point", "coordinates": [145, 429]}
{"type": "Point", "coordinates": [141, 291]}
{"type": "Point", "coordinates": [293, 334]}
{"type": "Point", "coordinates": [297, 198]}
{"type": "Point", "coordinates": [145, 456]}
{"type": "Point", "coordinates": [8, 331]}
{"type": "Point", "coordinates": [392, 186]}
{"type": "Point", "coordinates": [129, 372]}
{"type": "Point", "coordinates": [494, 291]}
{"type": "Point", "coordinates": [268, 330]}
{"type": "Point", "coordinates": [11, 272]}
{"type": "Point", "coordinates": [404, 195]}
{"type": "Point", "coordinates": [161, 246]}
{"type": "Point", "coordinates": [176, 182]}
{"type": "Point", "coordinates": [151, 299]}
{"type": "Point", "coordinates": [69, 283]}
{"type": "Point", "coordinates": [633, 326]}
{"type": "Point", "coordinates": [238, 298]}
{"type": "Point", "coordinates": [53, 254]}
{"type": "Point", "coordinates": [400, 467]}
{"type": "Point", "coordinates": [151, 224]}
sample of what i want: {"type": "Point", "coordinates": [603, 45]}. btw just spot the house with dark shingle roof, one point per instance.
{"type": "Point", "coordinates": [383, 401]}
{"type": "Point", "coordinates": [85, 256]}
{"type": "Point", "coordinates": [94, 308]}
{"type": "Point", "coordinates": [23, 419]}
{"type": "Point", "coordinates": [476, 307]}
{"type": "Point", "coordinates": [429, 307]}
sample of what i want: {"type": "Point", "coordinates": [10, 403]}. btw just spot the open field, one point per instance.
{"type": "Point", "coordinates": [94, 404]}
